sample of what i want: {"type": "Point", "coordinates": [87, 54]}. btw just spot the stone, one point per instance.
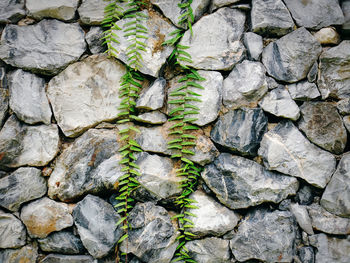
{"type": "Point", "coordinates": [286, 150]}
{"type": "Point", "coordinates": [334, 72]}
{"type": "Point", "coordinates": [254, 44]}
{"type": "Point", "coordinates": [221, 32]}
{"type": "Point", "coordinates": [345, 5]}
{"type": "Point", "coordinates": [13, 232]}
{"type": "Point", "coordinates": [44, 216]}
{"type": "Point", "coordinates": [212, 218]}
{"type": "Point", "coordinates": [312, 75]}
{"type": "Point", "coordinates": [61, 9]}
{"type": "Point", "coordinates": [94, 40]}
{"type": "Point", "coordinates": [152, 237]}
{"type": "Point", "coordinates": [303, 90]}
{"type": "Point", "coordinates": [327, 36]}
{"type": "Point", "coordinates": [11, 11]}
{"type": "Point", "coordinates": [305, 195]}
{"type": "Point", "coordinates": [62, 242]}
{"type": "Point", "coordinates": [89, 165]}
{"type": "Point", "coordinates": [336, 197]}
{"type": "Point", "coordinates": [302, 217]}
{"type": "Point", "coordinates": [245, 85]}
{"type": "Point", "coordinates": [279, 103]}
{"type": "Point", "coordinates": [152, 98]}
{"type": "Point", "coordinates": [346, 121]}
{"type": "Point", "coordinates": [96, 223]}
{"type": "Point", "coordinates": [28, 98]}
{"type": "Point", "coordinates": [215, 4]}
{"type": "Point", "coordinates": [343, 106]}
{"type": "Point", "coordinates": [154, 117]}
{"type": "Point", "coordinates": [211, 96]}
{"type": "Point", "coordinates": [306, 255]}
{"type": "Point", "coordinates": [86, 93]}
{"type": "Point", "coordinates": [27, 254]}
{"type": "Point", "coordinates": [271, 18]}
{"type": "Point", "coordinates": [330, 249]}
{"type": "Point", "coordinates": [55, 258]}
{"type": "Point", "coordinates": [4, 96]}
{"type": "Point", "coordinates": [272, 83]}
{"type": "Point", "coordinates": [240, 130]}
{"type": "Point", "coordinates": [291, 57]}
{"type": "Point", "coordinates": [315, 14]}
{"type": "Point", "coordinates": [22, 185]}
{"type": "Point", "coordinates": [21, 144]}
{"type": "Point", "coordinates": [240, 183]}
{"type": "Point", "coordinates": [156, 54]}
{"type": "Point", "coordinates": [266, 236]}
{"type": "Point", "coordinates": [57, 45]}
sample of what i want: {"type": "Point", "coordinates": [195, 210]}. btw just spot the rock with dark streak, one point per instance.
{"type": "Point", "coordinates": [62, 242]}
{"type": "Point", "coordinates": [4, 96]}
{"type": "Point", "coordinates": [94, 40]}
{"type": "Point", "coordinates": [11, 11]}
{"type": "Point", "coordinates": [13, 232]}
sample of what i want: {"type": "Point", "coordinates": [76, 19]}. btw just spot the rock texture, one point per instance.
{"type": "Point", "coordinates": [11, 11]}
{"type": "Point", "coordinates": [62, 242]}
{"type": "Point", "coordinates": [303, 90]}
{"type": "Point", "coordinates": [27, 253]}
{"type": "Point", "coordinates": [327, 36]}
{"type": "Point", "coordinates": [60, 9]}
{"type": "Point", "coordinates": [4, 96]}
{"type": "Point", "coordinates": [254, 44]}
{"type": "Point", "coordinates": [91, 12]}
{"type": "Point", "coordinates": [13, 232]}
{"type": "Point", "coordinates": [54, 258]}
{"type": "Point", "coordinates": [94, 40]}
{"type": "Point", "coordinates": [152, 98]}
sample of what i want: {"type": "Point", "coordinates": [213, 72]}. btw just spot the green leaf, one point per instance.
{"type": "Point", "coordinates": [122, 238]}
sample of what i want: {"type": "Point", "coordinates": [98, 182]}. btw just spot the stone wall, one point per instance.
{"type": "Point", "coordinates": [275, 121]}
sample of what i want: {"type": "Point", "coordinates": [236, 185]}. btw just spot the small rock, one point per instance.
{"type": "Point", "coordinates": [304, 195]}
{"type": "Point", "coordinates": [301, 214]}
{"type": "Point", "coordinates": [27, 254]}
{"type": "Point", "coordinates": [91, 12]}
{"type": "Point", "coordinates": [254, 45]}
{"type": "Point", "coordinates": [215, 4]}
{"type": "Point", "coordinates": [154, 117]}
{"type": "Point", "coordinates": [327, 35]}
{"type": "Point", "coordinates": [312, 75]}
{"type": "Point", "coordinates": [62, 242]}
{"type": "Point", "coordinates": [345, 5]}
{"type": "Point", "coordinates": [11, 11]}
{"type": "Point", "coordinates": [4, 96]}
{"type": "Point", "coordinates": [94, 40]}
{"type": "Point", "coordinates": [343, 106]}
{"type": "Point", "coordinates": [303, 90]}
{"type": "Point", "coordinates": [306, 255]}
{"type": "Point", "coordinates": [285, 205]}
{"type": "Point", "coordinates": [61, 9]}
{"type": "Point", "coordinates": [13, 232]}
{"type": "Point", "coordinates": [152, 98]}
{"type": "Point", "coordinates": [54, 258]}
{"type": "Point", "coordinates": [272, 83]}
{"type": "Point", "coordinates": [346, 121]}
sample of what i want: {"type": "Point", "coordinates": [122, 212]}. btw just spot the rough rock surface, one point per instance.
{"type": "Point", "coordinates": [312, 75]}
{"type": "Point", "coordinates": [346, 121]}
{"type": "Point", "coordinates": [25, 254]}
{"type": "Point", "coordinates": [11, 11]}
{"type": "Point", "coordinates": [94, 41]}
{"type": "Point", "coordinates": [13, 232]}
{"type": "Point", "coordinates": [254, 45]}
{"type": "Point", "coordinates": [306, 255]}
{"type": "Point", "coordinates": [302, 217]}
{"type": "Point", "coordinates": [154, 117]}
{"type": "Point", "coordinates": [215, 4]}
{"type": "Point", "coordinates": [62, 242]}
{"type": "Point", "coordinates": [59, 9]}
{"type": "Point", "coordinates": [4, 96]}
{"type": "Point", "coordinates": [346, 11]}
{"type": "Point", "coordinates": [54, 258]}
{"type": "Point", "coordinates": [152, 98]}
{"type": "Point", "coordinates": [327, 36]}
{"type": "Point", "coordinates": [303, 90]}
{"type": "Point", "coordinates": [91, 12]}
{"type": "Point", "coordinates": [343, 106]}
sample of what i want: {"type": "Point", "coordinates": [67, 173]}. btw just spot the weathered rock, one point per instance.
{"type": "Point", "coordinates": [346, 121]}
{"type": "Point", "coordinates": [57, 44]}
{"type": "Point", "coordinates": [271, 18]}
{"type": "Point", "coordinates": [327, 36]}
{"type": "Point", "coordinates": [303, 90]}
{"type": "Point", "coordinates": [152, 237]}
{"type": "Point", "coordinates": [345, 5]}
{"type": "Point", "coordinates": [55, 258]}
{"type": "Point", "coordinates": [152, 98]}
{"type": "Point", "coordinates": [27, 254]}
{"type": "Point", "coordinates": [23, 185]}
{"type": "Point", "coordinates": [286, 150]}
{"type": "Point", "coordinates": [44, 216]}
{"type": "Point", "coordinates": [89, 165]}
{"type": "Point", "coordinates": [267, 236]}
{"type": "Point", "coordinates": [62, 242]}
{"type": "Point", "coordinates": [343, 106]}
{"type": "Point", "coordinates": [239, 183]}
{"type": "Point", "coordinates": [301, 215]}
{"type": "Point", "coordinates": [334, 72]}
{"type": "Point", "coordinates": [11, 11]}
{"type": "Point", "coordinates": [221, 32]}
{"type": "Point", "coordinates": [91, 12]}
{"type": "Point", "coordinates": [28, 98]}
{"type": "Point", "coordinates": [306, 255]}
{"type": "Point", "coordinates": [240, 130]}
{"type": "Point", "coordinates": [245, 85]}
{"type": "Point", "coordinates": [215, 4]}
{"type": "Point", "coordinates": [211, 96]}
{"type": "Point", "coordinates": [99, 233]}
{"type": "Point", "coordinates": [336, 197]}
{"type": "Point", "coordinates": [305, 195]}
{"type": "Point", "coordinates": [154, 117]}
{"type": "Point", "coordinates": [4, 96]}
{"type": "Point", "coordinates": [13, 232]}
{"type": "Point", "coordinates": [312, 75]}
{"type": "Point", "coordinates": [21, 144]}
{"type": "Point", "coordinates": [86, 93]}
{"type": "Point", "coordinates": [254, 45]}
{"type": "Point", "coordinates": [279, 103]}
{"type": "Point", "coordinates": [94, 40]}
{"type": "Point", "coordinates": [59, 9]}
{"type": "Point", "coordinates": [316, 14]}
{"type": "Point", "coordinates": [291, 57]}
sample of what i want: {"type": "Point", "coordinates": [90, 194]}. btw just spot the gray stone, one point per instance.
{"type": "Point", "coordinates": [343, 106]}
{"type": "Point", "coordinates": [57, 44]}
{"type": "Point", "coordinates": [86, 93]}
{"type": "Point", "coordinates": [89, 165]}
{"type": "Point", "coordinates": [44, 216]}
{"type": "Point", "coordinates": [334, 75]}
{"type": "Point", "coordinates": [346, 121]}
{"type": "Point", "coordinates": [21, 144]}
{"type": "Point", "coordinates": [312, 75]}
{"type": "Point", "coordinates": [13, 232]}
{"type": "Point", "coordinates": [305, 195]}
{"type": "Point", "coordinates": [279, 103]}
{"type": "Point", "coordinates": [59, 9]}
{"type": "Point", "coordinates": [271, 18]}
{"type": "Point", "coordinates": [246, 84]}
{"type": "Point", "coordinates": [267, 236]}
{"type": "Point", "coordinates": [94, 40]}
{"type": "Point", "coordinates": [4, 96]}
{"type": "Point", "coordinates": [303, 90]}
{"type": "Point", "coordinates": [62, 242]}
{"type": "Point", "coordinates": [96, 222]}
{"type": "Point", "coordinates": [286, 150]}
{"type": "Point", "coordinates": [327, 36]}
{"type": "Point", "coordinates": [330, 249]}
{"type": "Point", "coordinates": [336, 197]}
{"type": "Point", "coordinates": [291, 57]}
{"type": "Point", "coordinates": [240, 183]}
{"type": "Point", "coordinates": [23, 185]}
{"type": "Point", "coordinates": [240, 130]}
{"type": "Point", "coordinates": [215, 4]}
{"type": "Point", "coordinates": [154, 117]}
{"type": "Point", "coordinates": [221, 32]}
{"type": "Point", "coordinates": [28, 98]}
{"type": "Point", "coordinates": [11, 11]}
{"type": "Point", "coordinates": [27, 254]}
{"type": "Point", "coordinates": [254, 45]}
{"type": "Point", "coordinates": [152, 98]}
{"type": "Point", "coordinates": [285, 205]}
{"type": "Point", "coordinates": [316, 14]}
{"type": "Point", "coordinates": [345, 5]}
{"type": "Point", "coordinates": [55, 258]}
{"type": "Point", "coordinates": [152, 237]}
{"type": "Point", "coordinates": [272, 83]}
{"type": "Point", "coordinates": [306, 255]}
{"type": "Point", "coordinates": [211, 96]}
{"type": "Point", "coordinates": [301, 215]}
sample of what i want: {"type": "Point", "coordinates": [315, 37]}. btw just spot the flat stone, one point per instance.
{"type": "Point", "coordinates": [96, 223]}
{"type": "Point", "coordinates": [286, 150]}
{"type": "Point", "coordinates": [291, 57]}
{"type": "Point", "coordinates": [61, 9]}
{"type": "Point", "coordinates": [21, 144]}
{"type": "Point", "coordinates": [154, 117]}
{"type": "Point", "coordinates": [4, 96]}
{"type": "Point", "coordinates": [240, 130]}
{"type": "Point", "coordinates": [240, 183]}
{"type": "Point", "coordinates": [13, 232]}
{"type": "Point", "coordinates": [94, 40]}
{"type": "Point", "coordinates": [44, 216]}
{"type": "Point", "coordinates": [315, 14]}
{"type": "Point", "coordinates": [303, 90]}
{"type": "Point", "coordinates": [323, 126]}
{"type": "Point", "coordinates": [57, 45]}
{"type": "Point", "coordinates": [221, 32]}
{"type": "Point", "coordinates": [86, 93]}
{"type": "Point", "coordinates": [11, 11]}
{"type": "Point", "coordinates": [266, 236]}
{"type": "Point", "coordinates": [245, 85]}
{"type": "Point", "coordinates": [28, 98]}
{"type": "Point", "coordinates": [254, 44]}
{"type": "Point", "coordinates": [55, 258]}
{"type": "Point", "coordinates": [27, 254]}
{"type": "Point", "coordinates": [327, 36]}
{"type": "Point", "coordinates": [302, 217]}
{"type": "Point", "coordinates": [271, 18]}
{"type": "Point", "coordinates": [62, 242]}
{"type": "Point", "coordinates": [152, 98]}
{"type": "Point", "coordinates": [334, 72]}
{"type": "Point", "coordinates": [346, 121]}
{"type": "Point", "coordinates": [343, 106]}
{"type": "Point", "coordinates": [215, 4]}
{"type": "Point", "coordinates": [23, 185]}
